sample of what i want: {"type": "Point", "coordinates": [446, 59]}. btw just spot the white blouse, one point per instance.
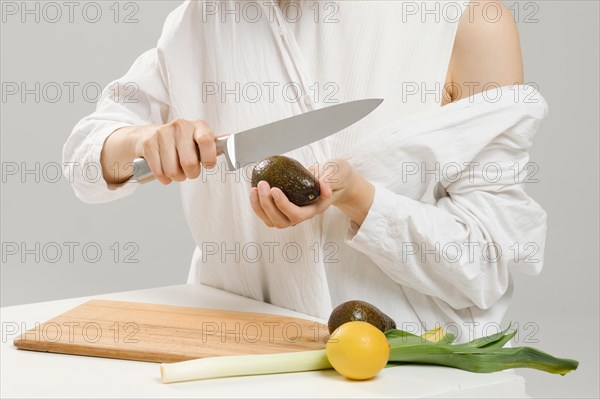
{"type": "Point", "coordinates": [417, 255]}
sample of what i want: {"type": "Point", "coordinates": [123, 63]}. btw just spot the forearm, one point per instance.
{"type": "Point", "coordinates": [118, 153]}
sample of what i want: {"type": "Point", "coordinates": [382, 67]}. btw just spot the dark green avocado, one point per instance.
{"type": "Point", "coordinates": [296, 182]}
{"type": "Point", "coordinates": [359, 311]}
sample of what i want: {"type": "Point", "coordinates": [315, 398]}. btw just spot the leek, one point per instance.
{"type": "Point", "coordinates": [435, 347]}
{"type": "Point", "coordinates": [233, 366]}
{"type": "Point", "coordinates": [483, 360]}
{"type": "Point", "coordinates": [481, 355]}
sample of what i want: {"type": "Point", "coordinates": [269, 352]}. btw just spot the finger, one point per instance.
{"type": "Point", "coordinates": [277, 217]}
{"type": "Point", "coordinates": [151, 155]}
{"type": "Point", "coordinates": [188, 155]}
{"type": "Point", "coordinates": [298, 214]}
{"type": "Point", "coordinates": [324, 174]}
{"type": "Point", "coordinates": [292, 212]}
{"type": "Point", "coordinates": [168, 156]}
{"type": "Point", "coordinates": [258, 210]}
{"type": "Point", "coordinates": [205, 139]}
{"type": "Point", "coordinates": [315, 170]}
{"type": "Point", "coordinates": [325, 188]}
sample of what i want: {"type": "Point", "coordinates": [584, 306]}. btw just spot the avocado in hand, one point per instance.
{"type": "Point", "coordinates": [297, 183]}
{"type": "Point", "coordinates": [359, 311]}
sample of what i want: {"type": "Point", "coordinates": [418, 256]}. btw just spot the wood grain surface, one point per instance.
{"type": "Point", "coordinates": [164, 333]}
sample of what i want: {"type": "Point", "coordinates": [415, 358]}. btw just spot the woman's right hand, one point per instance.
{"type": "Point", "coordinates": [176, 150]}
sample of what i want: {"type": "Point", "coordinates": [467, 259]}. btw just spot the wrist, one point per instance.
{"type": "Point", "coordinates": [118, 152]}
{"type": "Point", "coordinates": [133, 140]}
{"type": "Point", "coordinates": [357, 198]}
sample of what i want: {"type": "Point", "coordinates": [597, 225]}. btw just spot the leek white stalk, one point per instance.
{"type": "Point", "coordinates": [231, 366]}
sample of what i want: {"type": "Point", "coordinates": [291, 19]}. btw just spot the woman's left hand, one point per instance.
{"type": "Point", "coordinates": [339, 184]}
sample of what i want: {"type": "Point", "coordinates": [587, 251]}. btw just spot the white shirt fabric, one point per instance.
{"type": "Point", "coordinates": [240, 74]}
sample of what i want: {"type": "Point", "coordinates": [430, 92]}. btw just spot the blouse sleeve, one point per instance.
{"type": "Point", "coordinates": [138, 98]}
{"type": "Point", "coordinates": [461, 245]}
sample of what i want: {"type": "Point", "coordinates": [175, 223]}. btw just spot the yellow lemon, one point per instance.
{"type": "Point", "coordinates": [357, 350]}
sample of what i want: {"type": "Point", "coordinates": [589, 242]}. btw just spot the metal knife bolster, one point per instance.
{"type": "Point", "coordinates": [225, 146]}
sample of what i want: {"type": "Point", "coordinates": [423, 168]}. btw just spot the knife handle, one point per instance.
{"type": "Point", "coordinates": [141, 170]}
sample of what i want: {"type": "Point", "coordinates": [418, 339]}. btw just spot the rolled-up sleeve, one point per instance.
{"type": "Point", "coordinates": [138, 98]}
{"type": "Point", "coordinates": [449, 251]}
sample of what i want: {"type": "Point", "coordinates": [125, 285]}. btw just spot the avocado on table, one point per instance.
{"type": "Point", "coordinates": [359, 311]}
{"type": "Point", "coordinates": [297, 183]}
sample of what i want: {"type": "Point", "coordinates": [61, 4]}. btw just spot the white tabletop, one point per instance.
{"type": "Point", "coordinates": [35, 374]}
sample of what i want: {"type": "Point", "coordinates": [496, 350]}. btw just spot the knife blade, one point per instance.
{"type": "Point", "coordinates": [279, 137]}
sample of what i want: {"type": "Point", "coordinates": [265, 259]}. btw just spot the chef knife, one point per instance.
{"type": "Point", "coordinates": [279, 137]}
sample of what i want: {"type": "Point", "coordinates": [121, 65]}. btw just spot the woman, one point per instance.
{"type": "Point", "coordinates": [226, 67]}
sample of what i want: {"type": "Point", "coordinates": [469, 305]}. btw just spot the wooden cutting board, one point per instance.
{"type": "Point", "coordinates": [165, 334]}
